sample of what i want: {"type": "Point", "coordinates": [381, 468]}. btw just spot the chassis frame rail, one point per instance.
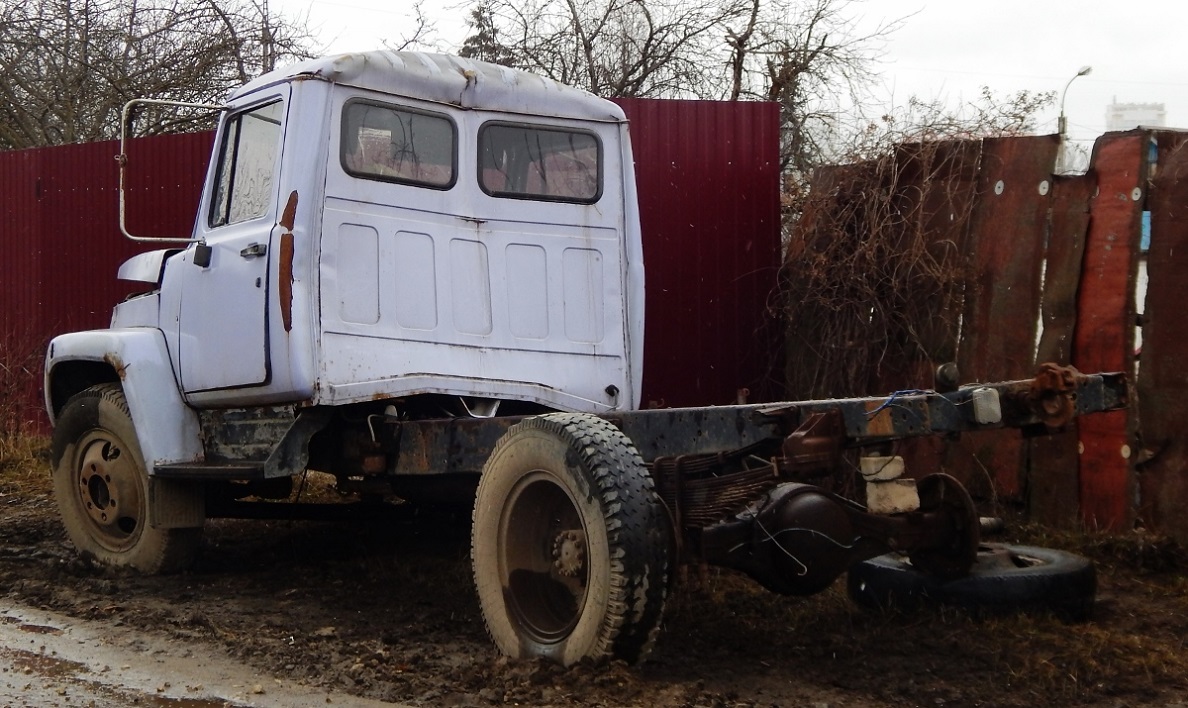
{"type": "Point", "coordinates": [1042, 404]}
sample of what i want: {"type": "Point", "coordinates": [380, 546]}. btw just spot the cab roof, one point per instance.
{"type": "Point", "coordinates": [464, 83]}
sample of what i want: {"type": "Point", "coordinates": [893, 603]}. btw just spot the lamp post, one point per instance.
{"type": "Point", "coordinates": [1062, 122]}
{"type": "Point", "coordinates": [1062, 157]}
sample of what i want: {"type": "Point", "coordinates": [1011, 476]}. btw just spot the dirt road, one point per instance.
{"type": "Point", "coordinates": [307, 611]}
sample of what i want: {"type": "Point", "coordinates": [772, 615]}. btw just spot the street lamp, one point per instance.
{"type": "Point", "coordinates": [1062, 123]}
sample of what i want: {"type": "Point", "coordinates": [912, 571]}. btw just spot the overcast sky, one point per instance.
{"type": "Point", "coordinates": [944, 49]}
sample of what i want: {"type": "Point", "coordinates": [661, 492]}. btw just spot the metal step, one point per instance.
{"type": "Point", "coordinates": [252, 445]}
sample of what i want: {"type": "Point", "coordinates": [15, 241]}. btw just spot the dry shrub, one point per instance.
{"type": "Point", "coordinates": [874, 276]}
{"type": "Point", "coordinates": [23, 447]}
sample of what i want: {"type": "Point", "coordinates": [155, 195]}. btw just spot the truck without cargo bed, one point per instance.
{"type": "Point", "coordinates": [423, 275]}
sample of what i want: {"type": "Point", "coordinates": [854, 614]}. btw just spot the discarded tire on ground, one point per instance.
{"type": "Point", "coordinates": [1004, 578]}
{"type": "Point", "coordinates": [569, 543]}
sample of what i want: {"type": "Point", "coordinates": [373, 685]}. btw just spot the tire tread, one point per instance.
{"type": "Point", "coordinates": [635, 525]}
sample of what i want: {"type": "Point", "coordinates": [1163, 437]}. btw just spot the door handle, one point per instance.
{"type": "Point", "coordinates": [254, 251]}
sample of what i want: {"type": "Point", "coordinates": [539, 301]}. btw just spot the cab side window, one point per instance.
{"type": "Point", "coordinates": [391, 144]}
{"type": "Point", "coordinates": [247, 163]}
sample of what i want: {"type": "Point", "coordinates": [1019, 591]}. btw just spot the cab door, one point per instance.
{"type": "Point", "coordinates": [223, 319]}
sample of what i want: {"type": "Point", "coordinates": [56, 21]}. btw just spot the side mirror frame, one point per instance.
{"type": "Point", "coordinates": [122, 159]}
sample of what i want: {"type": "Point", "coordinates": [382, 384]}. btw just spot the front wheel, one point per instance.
{"type": "Point", "coordinates": [102, 487]}
{"type": "Point", "coordinates": [569, 543]}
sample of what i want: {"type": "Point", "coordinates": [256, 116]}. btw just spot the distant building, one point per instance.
{"type": "Point", "coordinates": [1124, 116]}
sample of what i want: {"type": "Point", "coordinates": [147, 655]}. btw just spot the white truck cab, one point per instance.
{"type": "Point", "coordinates": [385, 224]}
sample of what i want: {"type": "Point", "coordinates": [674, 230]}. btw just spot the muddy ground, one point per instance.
{"type": "Point", "coordinates": [386, 610]}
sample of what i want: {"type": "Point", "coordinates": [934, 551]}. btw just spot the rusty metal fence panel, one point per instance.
{"type": "Point", "coordinates": [1053, 482]}
{"type": "Point", "coordinates": [1006, 247]}
{"type": "Point", "coordinates": [1162, 455]}
{"type": "Point", "coordinates": [1084, 232]}
{"type": "Point", "coordinates": [1104, 337]}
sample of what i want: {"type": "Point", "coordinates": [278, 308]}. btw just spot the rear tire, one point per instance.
{"type": "Point", "coordinates": [569, 543]}
{"type": "Point", "coordinates": [102, 488]}
{"type": "Point", "coordinates": [1004, 578]}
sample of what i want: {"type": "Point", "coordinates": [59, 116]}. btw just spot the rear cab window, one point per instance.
{"type": "Point", "coordinates": [396, 144]}
{"type": "Point", "coordinates": [545, 163]}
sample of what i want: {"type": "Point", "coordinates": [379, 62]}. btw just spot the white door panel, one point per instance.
{"type": "Point", "coordinates": [224, 306]}
{"type": "Point", "coordinates": [223, 317]}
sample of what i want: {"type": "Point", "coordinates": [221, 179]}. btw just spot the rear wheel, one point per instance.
{"type": "Point", "coordinates": [569, 543]}
{"type": "Point", "coordinates": [102, 487]}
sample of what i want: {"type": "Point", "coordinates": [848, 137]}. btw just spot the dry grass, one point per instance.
{"type": "Point", "coordinates": [23, 453]}
{"type": "Point", "coordinates": [1141, 551]}
{"type": "Point", "coordinates": [24, 465]}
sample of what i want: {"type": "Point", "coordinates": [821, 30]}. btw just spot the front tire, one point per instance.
{"type": "Point", "coordinates": [569, 543]}
{"type": "Point", "coordinates": [102, 487]}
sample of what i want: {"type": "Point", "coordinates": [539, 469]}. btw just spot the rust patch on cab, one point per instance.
{"type": "Point", "coordinates": [118, 364]}
{"type": "Point", "coordinates": [284, 281]}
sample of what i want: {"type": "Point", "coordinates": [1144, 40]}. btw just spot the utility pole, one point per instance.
{"type": "Point", "coordinates": [267, 55]}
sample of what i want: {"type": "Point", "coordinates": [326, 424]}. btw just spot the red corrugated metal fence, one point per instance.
{"type": "Point", "coordinates": [58, 216]}
{"type": "Point", "coordinates": [708, 179]}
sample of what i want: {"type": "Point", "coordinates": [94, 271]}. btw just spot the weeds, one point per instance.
{"type": "Point", "coordinates": [23, 447]}
{"type": "Point", "coordinates": [24, 466]}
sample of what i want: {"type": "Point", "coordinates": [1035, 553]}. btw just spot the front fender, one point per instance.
{"type": "Point", "coordinates": [167, 428]}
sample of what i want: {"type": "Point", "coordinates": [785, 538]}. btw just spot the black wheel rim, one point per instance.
{"type": "Point", "coordinates": [542, 558]}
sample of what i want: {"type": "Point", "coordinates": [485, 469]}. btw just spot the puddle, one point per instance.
{"type": "Point", "coordinates": [39, 629]}
{"type": "Point", "coordinates": [51, 659]}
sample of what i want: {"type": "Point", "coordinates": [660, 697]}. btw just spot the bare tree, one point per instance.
{"type": "Point", "coordinates": [807, 55]}
{"type": "Point", "coordinates": [638, 48]}
{"type": "Point", "coordinates": [877, 267]}
{"type": "Point", "coordinates": [917, 120]}
{"type": "Point", "coordinates": [419, 35]}
{"type": "Point", "coordinates": [811, 57]}
{"type": "Point", "coordinates": [68, 66]}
